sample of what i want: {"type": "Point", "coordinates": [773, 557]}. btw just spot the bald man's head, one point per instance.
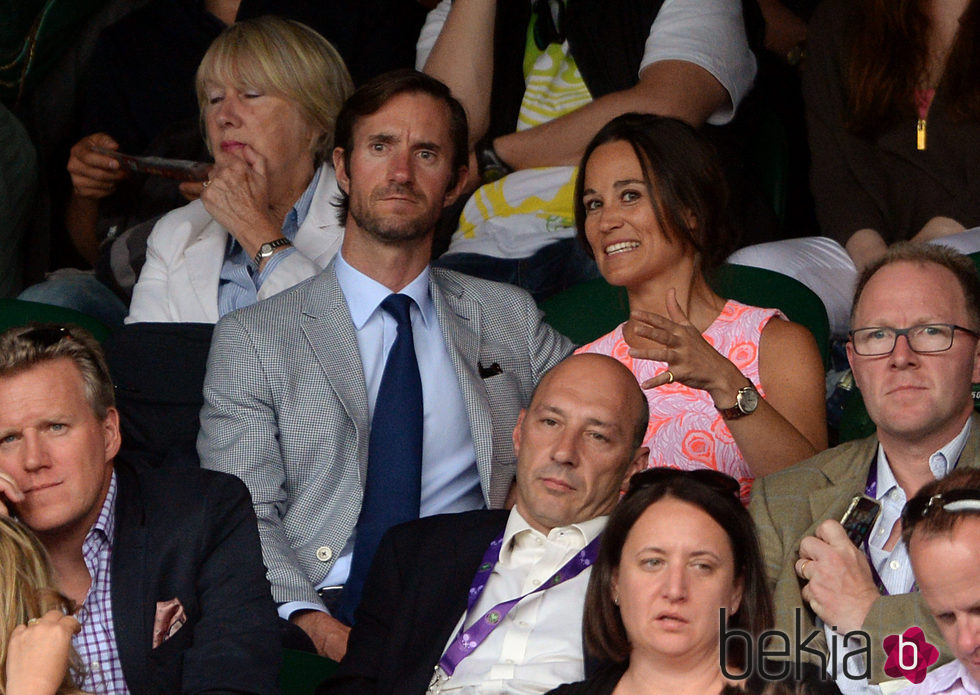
{"type": "Point", "coordinates": [579, 440]}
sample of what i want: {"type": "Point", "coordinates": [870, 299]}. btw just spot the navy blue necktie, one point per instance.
{"type": "Point", "coordinates": [393, 488]}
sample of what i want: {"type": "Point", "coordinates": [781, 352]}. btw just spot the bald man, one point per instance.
{"type": "Point", "coordinates": [577, 444]}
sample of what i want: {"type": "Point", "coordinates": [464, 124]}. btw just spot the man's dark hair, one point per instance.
{"type": "Point", "coordinates": [374, 94]}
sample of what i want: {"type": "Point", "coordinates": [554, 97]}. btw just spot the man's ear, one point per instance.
{"type": "Point", "coordinates": [110, 431]}
{"type": "Point", "coordinates": [851, 358]}
{"type": "Point", "coordinates": [637, 464]}
{"type": "Point", "coordinates": [976, 363]}
{"type": "Point", "coordinates": [340, 167]}
{"type": "Point", "coordinates": [457, 190]}
{"type": "Point", "coordinates": [516, 436]}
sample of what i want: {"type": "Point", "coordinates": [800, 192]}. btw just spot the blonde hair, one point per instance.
{"type": "Point", "coordinates": [285, 58]}
{"type": "Point", "coordinates": [26, 591]}
{"type": "Point", "coordinates": [23, 347]}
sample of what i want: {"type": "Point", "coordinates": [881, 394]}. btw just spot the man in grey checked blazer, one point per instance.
{"type": "Point", "coordinates": [922, 404]}
{"type": "Point", "coordinates": [286, 405]}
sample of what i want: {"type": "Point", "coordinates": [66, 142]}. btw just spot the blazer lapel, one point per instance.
{"type": "Point", "coordinates": [131, 621]}
{"type": "Point", "coordinates": [459, 321]}
{"type": "Point", "coordinates": [203, 259]}
{"type": "Point", "coordinates": [320, 236]}
{"type": "Point", "coordinates": [847, 476]}
{"type": "Point", "coordinates": [327, 325]}
{"type": "Point", "coordinates": [446, 606]}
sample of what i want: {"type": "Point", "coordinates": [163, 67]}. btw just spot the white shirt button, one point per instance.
{"type": "Point", "coordinates": [324, 553]}
{"type": "Point", "coordinates": [536, 582]}
{"type": "Point", "coordinates": [894, 564]}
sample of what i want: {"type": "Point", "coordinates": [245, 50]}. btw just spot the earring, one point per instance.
{"type": "Point", "coordinates": [616, 600]}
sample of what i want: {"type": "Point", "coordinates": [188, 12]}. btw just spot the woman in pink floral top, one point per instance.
{"type": "Point", "coordinates": [731, 387]}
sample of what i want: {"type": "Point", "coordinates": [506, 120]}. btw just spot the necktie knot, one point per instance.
{"type": "Point", "coordinates": [398, 305]}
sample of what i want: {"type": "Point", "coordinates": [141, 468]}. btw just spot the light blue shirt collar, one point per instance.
{"type": "Point", "coordinates": [941, 463]}
{"type": "Point", "coordinates": [364, 294]}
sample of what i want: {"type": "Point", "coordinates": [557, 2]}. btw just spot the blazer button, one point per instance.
{"type": "Point", "coordinates": [324, 553]}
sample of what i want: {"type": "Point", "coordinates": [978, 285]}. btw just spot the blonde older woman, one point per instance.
{"type": "Point", "coordinates": [35, 630]}
{"type": "Point", "coordinates": [270, 90]}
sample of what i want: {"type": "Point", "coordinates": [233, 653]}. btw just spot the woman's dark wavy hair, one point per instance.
{"type": "Point", "coordinates": [717, 495]}
{"type": "Point", "coordinates": [684, 177]}
{"type": "Point", "coordinates": [887, 54]}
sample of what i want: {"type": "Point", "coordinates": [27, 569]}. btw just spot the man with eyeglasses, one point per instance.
{"type": "Point", "coordinates": [913, 350]}
{"type": "Point", "coordinates": [941, 528]}
{"type": "Point", "coordinates": [164, 566]}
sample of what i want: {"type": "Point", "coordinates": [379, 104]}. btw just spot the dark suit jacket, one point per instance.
{"type": "Point", "coordinates": [191, 534]}
{"type": "Point", "coordinates": [413, 597]}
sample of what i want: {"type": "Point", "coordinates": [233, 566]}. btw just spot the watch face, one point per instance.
{"type": "Point", "coordinates": [748, 399]}
{"type": "Point", "coordinates": [265, 249]}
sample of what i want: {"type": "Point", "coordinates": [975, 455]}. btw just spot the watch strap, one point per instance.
{"type": "Point", "coordinates": [736, 411]}
{"type": "Point", "coordinates": [491, 167]}
{"type": "Point", "coordinates": [266, 249]}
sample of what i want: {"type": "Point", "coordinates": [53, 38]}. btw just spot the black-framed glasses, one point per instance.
{"type": "Point", "coordinates": [719, 482]}
{"type": "Point", "coordinates": [924, 338]}
{"type": "Point", "coordinates": [959, 500]}
{"type": "Point", "coordinates": [46, 336]}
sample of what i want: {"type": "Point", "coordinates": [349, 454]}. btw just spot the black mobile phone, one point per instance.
{"type": "Point", "coordinates": [860, 517]}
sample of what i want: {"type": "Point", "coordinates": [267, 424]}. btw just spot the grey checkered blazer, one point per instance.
{"type": "Point", "coordinates": [286, 410]}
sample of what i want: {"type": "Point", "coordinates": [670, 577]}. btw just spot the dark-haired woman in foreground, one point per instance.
{"type": "Point", "coordinates": [731, 387]}
{"type": "Point", "coordinates": [679, 549]}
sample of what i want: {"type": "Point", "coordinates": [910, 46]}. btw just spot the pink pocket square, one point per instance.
{"type": "Point", "coordinates": [170, 617]}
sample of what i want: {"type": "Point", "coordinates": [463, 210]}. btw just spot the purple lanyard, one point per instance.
{"type": "Point", "coordinates": [468, 640]}
{"type": "Point", "coordinates": [871, 490]}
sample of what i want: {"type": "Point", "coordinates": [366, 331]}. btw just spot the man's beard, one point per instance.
{"type": "Point", "coordinates": [393, 229]}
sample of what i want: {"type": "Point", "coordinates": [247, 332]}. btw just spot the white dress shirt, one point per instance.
{"type": "Point", "coordinates": [538, 646]}
{"type": "Point", "coordinates": [951, 679]}
{"type": "Point", "coordinates": [893, 566]}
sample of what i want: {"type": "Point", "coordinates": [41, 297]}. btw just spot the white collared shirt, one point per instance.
{"type": "Point", "coordinates": [538, 646]}
{"type": "Point", "coordinates": [951, 679]}
{"type": "Point", "coordinates": [893, 566]}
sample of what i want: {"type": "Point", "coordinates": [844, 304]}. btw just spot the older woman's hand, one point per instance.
{"type": "Point", "coordinates": [237, 196]}
{"type": "Point", "coordinates": [37, 657]}
{"type": "Point", "coordinates": [690, 359]}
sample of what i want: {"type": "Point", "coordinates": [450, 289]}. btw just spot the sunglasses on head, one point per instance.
{"type": "Point", "coordinates": [46, 336]}
{"type": "Point", "coordinates": [719, 482]}
{"type": "Point", "coordinates": [960, 500]}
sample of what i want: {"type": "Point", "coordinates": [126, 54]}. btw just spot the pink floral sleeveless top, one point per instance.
{"type": "Point", "coordinates": [685, 429]}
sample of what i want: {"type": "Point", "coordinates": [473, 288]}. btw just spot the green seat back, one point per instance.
{"type": "Point", "coordinates": [586, 311]}
{"type": "Point", "coordinates": [302, 672]}
{"type": "Point", "coordinates": [767, 288]}
{"type": "Point", "coordinates": [593, 308]}
{"type": "Point", "coordinates": [16, 312]}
